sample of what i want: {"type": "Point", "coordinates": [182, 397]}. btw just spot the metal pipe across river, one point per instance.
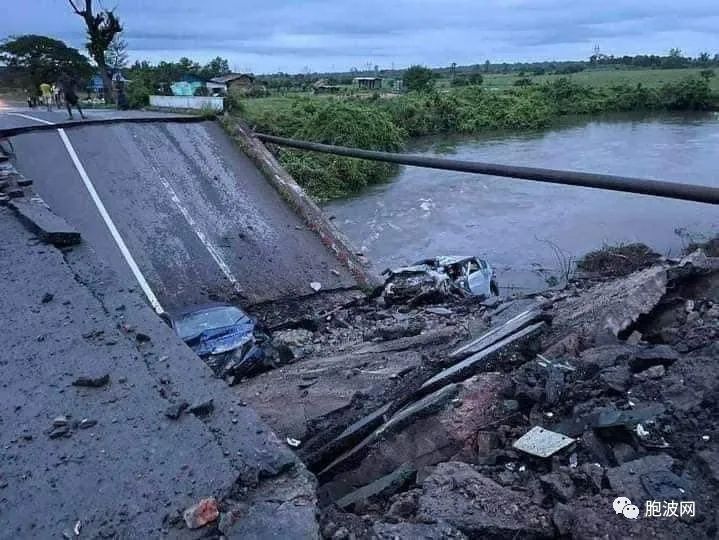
{"type": "Point", "coordinates": [657, 188]}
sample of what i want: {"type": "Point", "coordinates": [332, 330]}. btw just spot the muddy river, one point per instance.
{"type": "Point", "coordinates": [528, 230]}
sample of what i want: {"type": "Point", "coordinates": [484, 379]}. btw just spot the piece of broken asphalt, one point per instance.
{"type": "Point", "coordinates": [608, 417]}
{"type": "Point", "coordinates": [174, 412]}
{"type": "Point", "coordinates": [202, 408]}
{"type": "Point", "coordinates": [92, 381]}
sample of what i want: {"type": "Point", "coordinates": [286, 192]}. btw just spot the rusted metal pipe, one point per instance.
{"type": "Point", "coordinates": [642, 186]}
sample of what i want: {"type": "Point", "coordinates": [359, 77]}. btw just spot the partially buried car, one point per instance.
{"type": "Point", "coordinates": [225, 337]}
{"type": "Point", "coordinates": [432, 280]}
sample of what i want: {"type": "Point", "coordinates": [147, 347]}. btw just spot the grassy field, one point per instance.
{"type": "Point", "coordinates": [650, 78]}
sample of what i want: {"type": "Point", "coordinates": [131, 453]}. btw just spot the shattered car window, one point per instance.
{"type": "Point", "coordinates": [195, 323]}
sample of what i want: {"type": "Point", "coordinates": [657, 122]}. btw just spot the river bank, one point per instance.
{"type": "Point", "coordinates": [387, 123]}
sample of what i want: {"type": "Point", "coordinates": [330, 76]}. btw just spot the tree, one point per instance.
{"type": "Point", "coordinates": [102, 27]}
{"type": "Point", "coordinates": [486, 66]}
{"type": "Point", "coordinates": [116, 55]}
{"type": "Point", "coordinates": [704, 59]}
{"type": "Point", "coordinates": [32, 59]}
{"type": "Point", "coordinates": [418, 79]}
{"type": "Point", "coordinates": [215, 68]}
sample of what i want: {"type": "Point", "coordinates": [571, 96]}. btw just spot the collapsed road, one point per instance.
{"type": "Point", "coordinates": [180, 203]}
{"type": "Point", "coordinates": [567, 414]}
{"type": "Point", "coordinates": [466, 417]}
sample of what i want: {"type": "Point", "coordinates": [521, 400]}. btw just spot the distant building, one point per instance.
{"type": "Point", "coordinates": [368, 83]}
{"type": "Point", "coordinates": [225, 83]}
{"type": "Point", "coordinates": [322, 86]}
{"type": "Point", "coordinates": [187, 85]}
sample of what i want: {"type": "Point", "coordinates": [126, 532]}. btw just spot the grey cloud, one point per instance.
{"type": "Point", "coordinates": [340, 33]}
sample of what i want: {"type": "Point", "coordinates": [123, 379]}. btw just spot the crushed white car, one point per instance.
{"type": "Point", "coordinates": [431, 280]}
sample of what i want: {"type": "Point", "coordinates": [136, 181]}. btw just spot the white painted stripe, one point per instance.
{"type": "Point", "coordinates": [41, 120]}
{"type": "Point", "coordinates": [110, 224]}
{"type": "Point", "coordinates": [214, 252]}
{"type": "Point", "coordinates": [103, 213]}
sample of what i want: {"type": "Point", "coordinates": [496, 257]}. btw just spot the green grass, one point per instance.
{"type": "Point", "coordinates": [383, 123]}
{"type": "Point", "coordinates": [651, 78]}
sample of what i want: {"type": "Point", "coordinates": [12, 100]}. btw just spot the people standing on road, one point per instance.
{"type": "Point", "coordinates": [46, 92]}
{"type": "Point", "coordinates": [67, 84]}
{"type": "Point", "coordinates": [57, 95]}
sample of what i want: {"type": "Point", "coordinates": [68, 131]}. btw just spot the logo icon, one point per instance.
{"type": "Point", "coordinates": [622, 505]}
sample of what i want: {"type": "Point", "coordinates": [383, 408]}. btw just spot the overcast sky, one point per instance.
{"type": "Point", "coordinates": [321, 35]}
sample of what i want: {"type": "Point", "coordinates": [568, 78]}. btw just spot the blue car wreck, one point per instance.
{"type": "Point", "coordinates": [225, 337]}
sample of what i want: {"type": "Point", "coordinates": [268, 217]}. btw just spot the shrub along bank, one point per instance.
{"type": "Point", "coordinates": [384, 124]}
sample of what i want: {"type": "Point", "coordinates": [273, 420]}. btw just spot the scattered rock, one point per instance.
{"type": "Point", "coordinates": [92, 381]}
{"type": "Point", "coordinates": [404, 505]}
{"type": "Point", "coordinates": [439, 311]}
{"type": "Point", "coordinates": [416, 531]}
{"type": "Point", "coordinates": [202, 408]}
{"type": "Point", "coordinates": [559, 485]}
{"type": "Point", "coordinates": [292, 344]}
{"type": "Point", "coordinates": [654, 372]}
{"type": "Point", "coordinates": [316, 286]}
{"type": "Point", "coordinates": [173, 412]}
{"type": "Point", "coordinates": [563, 518]}
{"type": "Point", "coordinates": [47, 298]}
{"type": "Point", "coordinates": [478, 506]}
{"type": "Point", "coordinates": [142, 338]}
{"type": "Point", "coordinates": [86, 423]}
{"type": "Point", "coordinates": [201, 514]}
{"type": "Point", "coordinates": [398, 331]}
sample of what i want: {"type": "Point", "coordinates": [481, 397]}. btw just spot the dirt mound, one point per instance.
{"type": "Point", "coordinates": [618, 260]}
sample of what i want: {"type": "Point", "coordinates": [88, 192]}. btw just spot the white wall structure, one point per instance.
{"type": "Point", "coordinates": [188, 102]}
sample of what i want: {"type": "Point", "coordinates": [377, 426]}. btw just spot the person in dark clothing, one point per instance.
{"type": "Point", "coordinates": [67, 85]}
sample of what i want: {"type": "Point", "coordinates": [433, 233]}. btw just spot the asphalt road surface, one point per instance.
{"type": "Point", "coordinates": [174, 208]}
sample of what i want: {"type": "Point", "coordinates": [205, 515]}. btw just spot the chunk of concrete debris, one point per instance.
{"type": "Point", "coordinates": [542, 442]}
{"type": "Point", "coordinates": [50, 227]}
{"type": "Point", "coordinates": [438, 427]}
{"type": "Point", "coordinates": [92, 381]}
{"type": "Point", "coordinates": [292, 344]}
{"type": "Point", "coordinates": [383, 487]}
{"type": "Point", "coordinates": [486, 357]}
{"type": "Point", "coordinates": [480, 508]}
{"type": "Point", "coordinates": [201, 514]}
{"type": "Point", "coordinates": [416, 531]}
{"type": "Point", "coordinates": [202, 408]}
{"type": "Point", "coordinates": [294, 443]}
{"type": "Point", "coordinates": [173, 412]}
{"type": "Point", "coordinates": [497, 333]}
{"type": "Point", "coordinates": [442, 311]}
{"type": "Point", "coordinates": [649, 477]}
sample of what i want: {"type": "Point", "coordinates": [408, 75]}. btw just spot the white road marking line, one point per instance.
{"type": "Point", "coordinates": [103, 213]}
{"type": "Point", "coordinates": [110, 224]}
{"type": "Point", "coordinates": [42, 121]}
{"type": "Point", "coordinates": [214, 252]}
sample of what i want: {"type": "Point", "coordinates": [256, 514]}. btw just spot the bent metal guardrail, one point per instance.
{"type": "Point", "coordinates": [657, 188]}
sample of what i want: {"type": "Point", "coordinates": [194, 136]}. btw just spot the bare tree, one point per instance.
{"type": "Point", "coordinates": [116, 55]}
{"type": "Point", "coordinates": [102, 27]}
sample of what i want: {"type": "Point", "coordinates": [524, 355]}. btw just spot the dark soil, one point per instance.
{"type": "Point", "coordinates": [618, 260]}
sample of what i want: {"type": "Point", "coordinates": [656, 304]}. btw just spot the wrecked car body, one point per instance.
{"type": "Point", "coordinates": [225, 337]}
{"type": "Point", "coordinates": [431, 280]}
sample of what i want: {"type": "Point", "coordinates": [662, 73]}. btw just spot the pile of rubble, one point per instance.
{"type": "Point", "coordinates": [513, 419]}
